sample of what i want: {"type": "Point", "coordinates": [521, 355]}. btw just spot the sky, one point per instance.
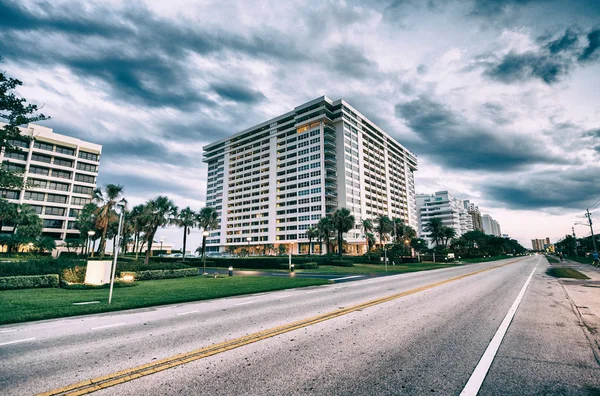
{"type": "Point", "coordinates": [500, 100]}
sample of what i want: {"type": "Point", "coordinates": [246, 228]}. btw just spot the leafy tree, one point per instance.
{"type": "Point", "coordinates": [268, 247]}
{"type": "Point", "coordinates": [108, 199]}
{"type": "Point", "coordinates": [397, 251]}
{"type": "Point", "coordinates": [325, 228]}
{"type": "Point", "coordinates": [384, 226]}
{"type": "Point", "coordinates": [73, 244]}
{"type": "Point", "coordinates": [370, 240]}
{"type": "Point", "coordinates": [187, 219]}
{"type": "Point", "coordinates": [86, 221]}
{"type": "Point", "coordinates": [448, 233]}
{"type": "Point", "coordinates": [311, 234]}
{"type": "Point", "coordinates": [136, 221]}
{"type": "Point", "coordinates": [418, 244]}
{"type": "Point", "coordinates": [16, 111]}
{"type": "Point", "coordinates": [282, 249]}
{"type": "Point", "coordinates": [8, 212]}
{"type": "Point", "coordinates": [158, 212]}
{"type": "Point", "coordinates": [434, 228]}
{"type": "Point", "coordinates": [27, 223]}
{"type": "Point", "coordinates": [207, 220]}
{"type": "Point", "coordinates": [44, 244]}
{"type": "Point", "coordinates": [343, 222]}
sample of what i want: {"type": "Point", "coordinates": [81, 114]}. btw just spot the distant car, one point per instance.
{"type": "Point", "coordinates": [190, 256]}
{"type": "Point", "coordinates": [178, 255]}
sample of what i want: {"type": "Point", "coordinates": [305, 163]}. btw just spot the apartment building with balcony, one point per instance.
{"type": "Point", "coordinates": [443, 205]}
{"type": "Point", "coordinates": [60, 172]}
{"type": "Point", "coordinates": [274, 181]}
{"type": "Point", "coordinates": [490, 226]}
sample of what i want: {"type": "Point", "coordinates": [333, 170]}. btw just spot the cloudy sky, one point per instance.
{"type": "Point", "coordinates": [500, 100]}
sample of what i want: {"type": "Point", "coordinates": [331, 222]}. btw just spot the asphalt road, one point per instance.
{"type": "Point", "coordinates": [427, 342]}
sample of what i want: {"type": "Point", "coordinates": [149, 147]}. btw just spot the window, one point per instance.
{"type": "Point", "coordinates": [74, 212]}
{"type": "Point", "coordinates": [39, 171]}
{"type": "Point", "coordinates": [38, 183]}
{"type": "Point", "coordinates": [88, 156]}
{"type": "Point", "coordinates": [80, 201]}
{"type": "Point", "coordinates": [19, 143]}
{"type": "Point", "coordinates": [61, 174]}
{"type": "Point", "coordinates": [65, 150]}
{"type": "Point", "coordinates": [82, 190]}
{"type": "Point", "coordinates": [57, 198]}
{"type": "Point", "coordinates": [315, 199]}
{"type": "Point", "coordinates": [9, 194]}
{"type": "Point", "coordinates": [303, 218]}
{"type": "Point", "coordinates": [316, 216]}
{"type": "Point", "coordinates": [87, 167]}
{"type": "Point", "coordinates": [303, 192]}
{"type": "Point", "coordinates": [84, 178]}
{"type": "Point", "coordinates": [43, 146]}
{"type": "Point", "coordinates": [16, 155]}
{"type": "Point", "coordinates": [37, 208]}
{"type": "Point", "coordinates": [63, 162]}
{"type": "Point", "coordinates": [41, 158]}
{"type": "Point", "coordinates": [314, 208]}
{"type": "Point", "coordinates": [33, 196]}
{"type": "Point", "coordinates": [13, 167]}
{"type": "Point", "coordinates": [54, 211]}
{"type": "Point", "coordinates": [58, 186]}
{"type": "Point", "coordinates": [48, 223]}
{"type": "Point", "coordinates": [315, 190]}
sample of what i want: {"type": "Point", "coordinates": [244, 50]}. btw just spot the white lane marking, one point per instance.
{"type": "Point", "coordinates": [349, 277]}
{"type": "Point", "coordinates": [247, 302]}
{"type": "Point", "coordinates": [7, 331]}
{"type": "Point", "coordinates": [17, 341]}
{"type": "Point", "coordinates": [476, 379]}
{"type": "Point", "coordinates": [311, 292]}
{"type": "Point", "coordinates": [259, 294]}
{"type": "Point", "coordinates": [286, 296]}
{"type": "Point", "coordinates": [87, 302]}
{"type": "Point", "coordinates": [186, 313]}
{"type": "Point", "coordinates": [107, 326]}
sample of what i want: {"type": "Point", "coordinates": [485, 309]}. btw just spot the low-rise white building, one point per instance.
{"type": "Point", "coordinates": [445, 206]}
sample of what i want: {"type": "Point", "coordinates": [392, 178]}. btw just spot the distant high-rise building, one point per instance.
{"type": "Point", "coordinates": [473, 211]}
{"type": "Point", "coordinates": [490, 226]}
{"type": "Point", "coordinates": [60, 172]}
{"type": "Point", "coordinates": [539, 244]}
{"type": "Point", "coordinates": [547, 241]}
{"type": "Point", "coordinates": [452, 211]}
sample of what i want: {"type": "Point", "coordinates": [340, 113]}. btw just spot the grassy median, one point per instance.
{"type": "Point", "coordinates": [558, 272]}
{"type": "Point", "coordinates": [36, 304]}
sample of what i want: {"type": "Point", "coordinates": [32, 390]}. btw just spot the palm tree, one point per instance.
{"type": "Point", "coordinates": [187, 219]}
{"type": "Point", "coordinates": [384, 227]}
{"type": "Point", "coordinates": [447, 234]}
{"type": "Point", "coordinates": [159, 212]}
{"type": "Point", "coordinates": [107, 199]}
{"type": "Point", "coordinates": [434, 228]}
{"type": "Point", "coordinates": [28, 224]}
{"type": "Point", "coordinates": [136, 220]}
{"type": "Point", "coordinates": [398, 225]}
{"type": "Point", "coordinates": [268, 247]}
{"type": "Point", "coordinates": [311, 233]}
{"type": "Point", "coordinates": [343, 222]}
{"type": "Point", "coordinates": [325, 228]}
{"type": "Point", "coordinates": [207, 220]}
{"type": "Point", "coordinates": [8, 211]}
{"type": "Point", "coordinates": [367, 228]}
{"type": "Point", "coordinates": [370, 241]}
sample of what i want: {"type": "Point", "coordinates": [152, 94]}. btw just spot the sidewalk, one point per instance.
{"type": "Point", "coordinates": [585, 295]}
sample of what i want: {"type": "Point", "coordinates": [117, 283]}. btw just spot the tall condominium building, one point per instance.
{"type": "Point", "coordinates": [444, 206]}
{"type": "Point", "coordinates": [473, 211]}
{"type": "Point", "coordinates": [60, 172]}
{"type": "Point", "coordinates": [274, 181]}
{"type": "Point", "coordinates": [540, 244]}
{"type": "Point", "coordinates": [490, 226]}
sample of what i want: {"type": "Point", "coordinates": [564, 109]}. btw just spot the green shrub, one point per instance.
{"type": "Point", "coordinates": [135, 266]}
{"type": "Point", "coordinates": [38, 265]}
{"type": "Point", "coordinates": [342, 263]}
{"type": "Point", "coordinates": [28, 281]}
{"type": "Point", "coordinates": [82, 286]}
{"type": "Point", "coordinates": [164, 274]}
{"type": "Point", "coordinates": [312, 265]}
{"type": "Point", "coordinates": [74, 275]}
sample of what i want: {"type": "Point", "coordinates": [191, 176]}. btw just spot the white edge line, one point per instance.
{"type": "Point", "coordinates": [287, 295]}
{"type": "Point", "coordinates": [476, 380]}
{"type": "Point", "coordinates": [7, 331]}
{"type": "Point", "coordinates": [107, 326]}
{"type": "Point", "coordinates": [17, 341]}
{"type": "Point", "coordinates": [86, 302]}
{"type": "Point", "coordinates": [186, 313]}
{"type": "Point", "coordinates": [348, 277]}
{"type": "Point", "coordinates": [311, 292]}
{"type": "Point", "coordinates": [244, 303]}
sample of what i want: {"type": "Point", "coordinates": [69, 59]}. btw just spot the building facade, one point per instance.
{"type": "Point", "coordinates": [473, 211]}
{"type": "Point", "coordinates": [274, 181]}
{"type": "Point", "coordinates": [443, 205]}
{"type": "Point", "coordinates": [60, 172]}
{"type": "Point", "coordinates": [490, 226]}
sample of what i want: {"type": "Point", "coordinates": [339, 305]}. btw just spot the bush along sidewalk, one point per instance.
{"type": "Point", "coordinates": [28, 281]}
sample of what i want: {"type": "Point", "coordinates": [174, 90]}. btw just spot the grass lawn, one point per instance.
{"type": "Point", "coordinates": [552, 259]}
{"type": "Point", "coordinates": [582, 260]}
{"type": "Point", "coordinates": [565, 273]}
{"type": "Point", "coordinates": [36, 304]}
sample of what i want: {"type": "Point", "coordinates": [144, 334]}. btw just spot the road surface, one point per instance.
{"type": "Point", "coordinates": [432, 337]}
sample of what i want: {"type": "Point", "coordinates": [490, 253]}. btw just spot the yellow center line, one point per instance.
{"type": "Point", "coordinates": [106, 381]}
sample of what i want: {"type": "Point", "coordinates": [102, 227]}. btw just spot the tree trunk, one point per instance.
{"type": "Point", "coordinates": [102, 246]}
{"type": "Point", "coordinates": [184, 241]}
{"type": "Point", "coordinates": [203, 246]}
{"type": "Point", "coordinates": [340, 242]}
{"type": "Point", "coordinates": [149, 241]}
{"type": "Point", "coordinates": [136, 246]}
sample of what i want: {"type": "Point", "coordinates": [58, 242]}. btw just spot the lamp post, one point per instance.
{"type": "Point", "coordinates": [248, 239]}
{"type": "Point", "coordinates": [161, 243]}
{"type": "Point", "coordinates": [91, 233]}
{"type": "Point", "coordinates": [204, 235]}
{"type": "Point", "coordinates": [290, 257]}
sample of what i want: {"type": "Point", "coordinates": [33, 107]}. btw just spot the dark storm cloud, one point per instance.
{"type": "Point", "coordinates": [497, 113]}
{"type": "Point", "coordinates": [141, 57]}
{"type": "Point", "coordinates": [566, 189]}
{"type": "Point", "coordinates": [350, 60]}
{"type": "Point", "coordinates": [495, 8]}
{"type": "Point", "coordinates": [564, 43]}
{"type": "Point", "coordinates": [237, 92]}
{"type": "Point", "coordinates": [136, 185]}
{"type": "Point", "coordinates": [529, 65]}
{"type": "Point", "coordinates": [456, 143]}
{"type": "Point", "coordinates": [591, 51]}
{"type": "Point", "coordinates": [116, 150]}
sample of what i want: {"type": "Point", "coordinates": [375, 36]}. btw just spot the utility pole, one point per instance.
{"type": "Point", "coordinates": [575, 241]}
{"type": "Point", "coordinates": [589, 216]}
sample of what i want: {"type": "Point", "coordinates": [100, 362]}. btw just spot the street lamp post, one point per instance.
{"type": "Point", "coordinates": [91, 233]}
{"type": "Point", "coordinates": [290, 256]}
{"type": "Point", "coordinates": [204, 234]}
{"type": "Point", "coordinates": [161, 244]}
{"type": "Point", "coordinates": [248, 239]}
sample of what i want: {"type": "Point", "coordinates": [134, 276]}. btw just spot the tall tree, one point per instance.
{"type": "Point", "coordinates": [343, 221]}
{"type": "Point", "coordinates": [136, 220]}
{"type": "Point", "coordinates": [86, 221]}
{"type": "Point", "coordinates": [186, 219]}
{"type": "Point", "coordinates": [434, 228]}
{"type": "Point", "coordinates": [325, 228]}
{"type": "Point", "coordinates": [311, 234]}
{"type": "Point", "coordinates": [28, 224]}
{"type": "Point", "coordinates": [16, 111]}
{"type": "Point", "coordinates": [8, 212]}
{"type": "Point", "coordinates": [383, 228]}
{"type": "Point", "coordinates": [158, 212]}
{"type": "Point", "coordinates": [398, 229]}
{"type": "Point", "coordinates": [448, 233]}
{"type": "Point", "coordinates": [207, 221]}
{"type": "Point", "coordinates": [107, 199]}
{"type": "Point", "coordinates": [367, 228]}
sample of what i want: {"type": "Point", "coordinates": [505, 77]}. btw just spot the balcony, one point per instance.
{"type": "Point", "coordinates": [331, 175]}
{"type": "Point", "coordinates": [331, 202]}
{"type": "Point", "coordinates": [330, 159]}
{"type": "Point", "coordinates": [329, 184]}
{"type": "Point", "coordinates": [329, 143]}
{"type": "Point", "coordinates": [330, 167]}
{"type": "Point", "coordinates": [331, 193]}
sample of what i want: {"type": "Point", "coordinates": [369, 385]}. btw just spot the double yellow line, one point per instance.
{"type": "Point", "coordinates": [106, 381]}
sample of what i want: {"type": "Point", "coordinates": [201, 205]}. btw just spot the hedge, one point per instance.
{"type": "Point", "coordinates": [82, 286]}
{"type": "Point", "coordinates": [342, 263]}
{"type": "Point", "coordinates": [38, 266]}
{"type": "Point", "coordinates": [164, 274]}
{"type": "Point", "coordinates": [312, 265]}
{"type": "Point", "coordinates": [28, 281]}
